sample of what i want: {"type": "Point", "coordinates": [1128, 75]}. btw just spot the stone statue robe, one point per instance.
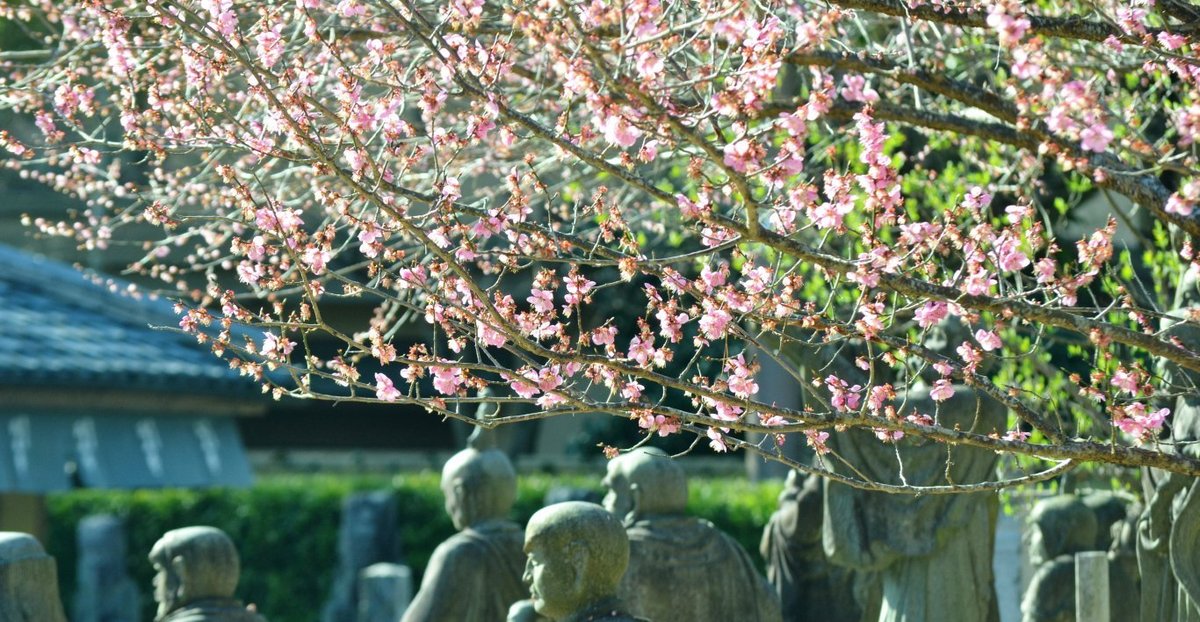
{"type": "Point", "coordinates": [213, 610]}
{"type": "Point", "coordinates": [684, 569]}
{"type": "Point", "coordinates": [932, 553]}
{"type": "Point", "coordinates": [611, 610]}
{"type": "Point", "coordinates": [1168, 544]}
{"type": "Point", "coordinates": [808, 586]}
{"type": "Point", "coordinates": [474, 576]}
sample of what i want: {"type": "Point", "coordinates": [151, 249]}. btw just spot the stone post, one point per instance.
{"type": "Point", "coordinates": [384, 591]}
{"type": "Point", "coordinates": [1091, 587]}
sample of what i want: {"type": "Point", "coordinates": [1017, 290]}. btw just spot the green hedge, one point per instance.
{"type": "Point", "coordinates": [286, 527]}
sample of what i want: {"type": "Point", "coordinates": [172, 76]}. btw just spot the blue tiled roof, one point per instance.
{"type": "Point", "coordinates": [60, 328]}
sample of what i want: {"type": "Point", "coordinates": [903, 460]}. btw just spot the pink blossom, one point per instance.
{"type": "Point", "coordinates": [1009, 28]}
{"type": "Point", "coordinates": [316, 258]}
{"type": "Point", "coordinates": [1095, 137]}
{"type": "Point", "coordinates": [741, 380]}
{"type": "Point", "coordinates": [385, 389]}
{"type": "Point", "coordinates": [1136, 422]}
{"type": "Point", "coordinates": [856, 89]}
{"type": "Point", "coordinates": [988, 340]}
{"type": "Point", "coordinates": [743, 155]}
{"type": "Point", "coordinates": [618, 131]}
{"type": "Point", "coordinates": [887, 435]}
{"type": "Point", "coordinates": [661, 424]}
{"type": "Point", "coordinates": [878, 395]}
{"type": "Point", "coordinates": [489, 336]}
{"type": "Point", "coordinates": [269, 44]}
{"type": "Point", "coordinates": [931, 313]}
{"type": "Point", "coordinates": [1126, 381]}
{"type": "Point", "coordinates": [605, 335]}
{"type": "Point", "coordinates": [578, 288]}
{"type": "Point", "coordinates": [671, 324]}
{"type": "Point", "coordinates": [275, 347]}
{"type": "Point", "coordinates": [524, 385]}
{"type": "Point", "coordinates": [844, 397]}
{"type": "Point", "coordinates": [541, 300]}
{"type": "Point", "coordinates": [356, 158]}
{"type": "Point", "coordinates": [447, 380]}
{"type": "Point", "coordinates": [716, 441]}
{"type": "Point", "coordinates": [969, 354]}
{"type": "Point", "coordinates": [1016, 435]}
{"type": "Point", "coordinates": [1179, 206]}
{"type": "Point", "coordinates": [942, 390]}
{"type": "Point", "coordinates": [632, 390]}
{"type": "Point", "coordinates": [816, 439]}
{"type": "Point", "coordinates": [713, 323]}
{"type": "Point", "coordinates": [1170, 40]}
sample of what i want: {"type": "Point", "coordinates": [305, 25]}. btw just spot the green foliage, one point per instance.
{"type": "Point", "coordinates": [286, 526]}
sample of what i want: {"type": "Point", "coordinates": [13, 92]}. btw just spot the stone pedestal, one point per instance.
{"type": "Point", "coordinates": [384, 591]}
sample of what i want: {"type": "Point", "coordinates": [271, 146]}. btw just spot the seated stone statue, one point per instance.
{"type": "Point", "coordinates": [577, 555]}
{"type": "Point", "coordinates": [668, 549]}
{"type": "Point", "coordinates": [1060, 527]}
{"type": "Point", "coordinates": [476, 574]}
{"type": "Point", "coordinates": [196, 573]}
{"type": "Point", "coordinates": [28, 581]}
{"type": "Point", "coordinates": [808, 586]}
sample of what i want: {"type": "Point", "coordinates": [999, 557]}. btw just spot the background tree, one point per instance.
{"type": "Point", "coordinates": [819, 183]}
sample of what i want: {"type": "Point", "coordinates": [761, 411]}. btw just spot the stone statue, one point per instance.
{"type": "Point", "coordinates": [1168, 545]}
{"type": "Point", "coordinates": [932, 553]}
{"type": "Point", "coordinates": [668, 549]}
{"type": "Point", "coordinates": [105, 592]}
{"type": "Point", "coordinates": [808, 586]}
{"type": "Point", "coordinates": [28, 581]}
{"type": "Point", "coordinates": [1060, 527]}
{"type": "Point", "coordinates": [476, 574]}
{"type": "Point", "coordinates": [366, 536]}
{"type": "Point", "coordinates": [578, 552]}
{"type": "Point", "coordinates": [523, 611]}
{"type": "Point", "coordinates": [196, 573]}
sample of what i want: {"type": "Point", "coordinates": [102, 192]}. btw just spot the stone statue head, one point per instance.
{"type": "Point", "coordinates": [191, 564]}
{"type": "Point", "coordinates": [645, 482]}
{"type": "Point", "coordinates": [577, 553]}
{"type": "Point", "coordinates": [479, 486]}
{"type": "Point", "coordinates": [1062, 525]}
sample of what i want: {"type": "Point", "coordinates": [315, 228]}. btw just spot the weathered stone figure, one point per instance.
{"type": "Point", "coordinates": [932, 553]}
{"type": "Point", "coordinates": [105, 592]}
{"type": "Point", "coordinates": [808, 586]}
{"type": "Point", "coordinates": [1169, 528]}
{"type": "Point", "coordinates": [668, 549]}
{"type": "Point", "coordinates": [196, 573]}
{"type": "Point", "coordinates": [476, 574]}
{"type": "Point", "coordinates": [577, 554]}
{"type": "Point", "coordinates": [28, 581]}
{"type": "Point", "coordinates": [1060, 527]}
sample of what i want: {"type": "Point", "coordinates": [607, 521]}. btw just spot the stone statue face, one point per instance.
{"type": "Point", "coordinates": [452, 490]}
{"type": "Point", "coordinates": [167, 589]}
{"type": "Point", "coordinates": [619, 498]}
{"type": "Point", "coordinates": [552, 582]}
